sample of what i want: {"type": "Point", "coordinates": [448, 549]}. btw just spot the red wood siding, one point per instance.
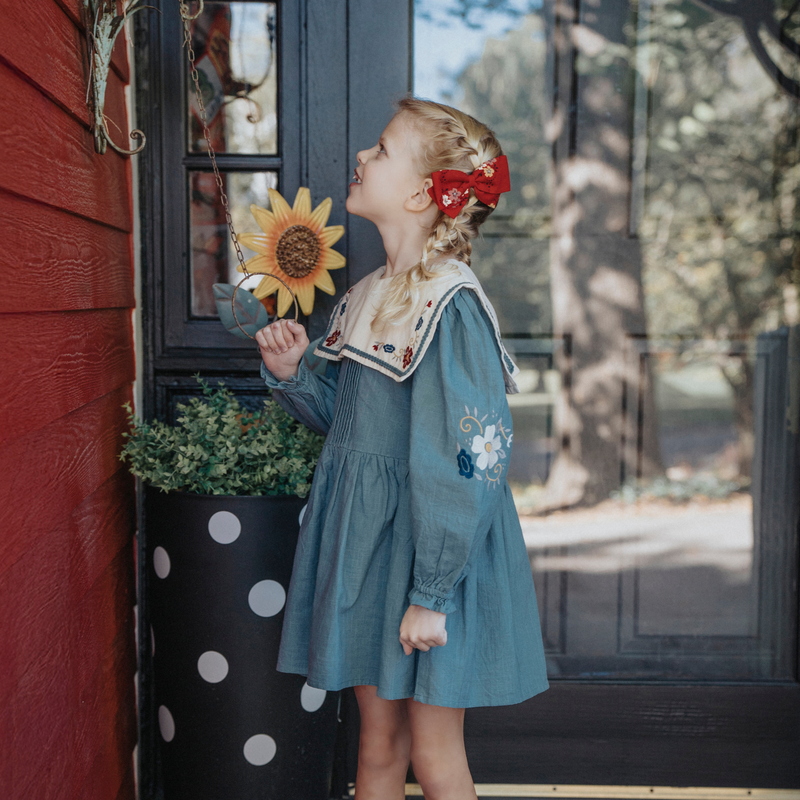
{"type": "Point", "coordinates": [67, 591]}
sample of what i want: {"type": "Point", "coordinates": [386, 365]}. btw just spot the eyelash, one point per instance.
{"type": "Point", "coordinates": [381, 149]}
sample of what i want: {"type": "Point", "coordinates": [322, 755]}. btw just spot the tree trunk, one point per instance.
{"type": "Point", "coordinates": [606, 417]}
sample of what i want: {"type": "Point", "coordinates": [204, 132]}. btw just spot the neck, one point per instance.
{"type": "Point", "coordinates": [403, 245]}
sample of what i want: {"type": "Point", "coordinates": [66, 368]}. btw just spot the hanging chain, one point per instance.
{"type": "Point", "coordinates": [186, 16]}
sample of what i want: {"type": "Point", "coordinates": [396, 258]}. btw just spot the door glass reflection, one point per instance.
{"type": "Point", "coordinates": [644, 272]}
{"type": "Point", "coordinates": [236, 60]}
{"type": "Point", "coordinates": [213, 255]}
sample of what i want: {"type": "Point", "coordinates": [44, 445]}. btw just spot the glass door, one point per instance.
{"type": "Point", "coordinates": [645, 272]}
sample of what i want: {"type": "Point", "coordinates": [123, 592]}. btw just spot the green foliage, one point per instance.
{"type": "Point", "coordinates": [218, 447]}
{"type": "Point", "coordinates": [699, 485]}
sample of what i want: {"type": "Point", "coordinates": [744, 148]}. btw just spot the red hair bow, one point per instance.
{"type": "Point", "coordinates": [450, 190]}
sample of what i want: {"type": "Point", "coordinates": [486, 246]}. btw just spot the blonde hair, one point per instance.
{"type": "Point", "coordinates": [450, 139]}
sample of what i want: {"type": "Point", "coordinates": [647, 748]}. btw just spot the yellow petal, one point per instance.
{"type": "Point", "coordinates": [323, 280]}
{"type": "Point", "coordinates": [258, 264]}
{"type": "Point", "coordinates": [302, 204]}
{"type": "Point", "coordinates": [330, 235]}
{"type": "Point", "coordinates": [320, 216]}
{"type": "Point", "coordinates": [280, 208]}
{"type": "Point", "coordinates": [264, 218]}
{"type": "Point", "coordinates": [330, 259]}
{"type": "Point", "coordinates": [267, 286]}
{"type": "Point", "coordinates": [284, 300]}
{"type": "Point", "coordinates": [305, 296]}
{"type": "Point", "coordinates": [254, 241]}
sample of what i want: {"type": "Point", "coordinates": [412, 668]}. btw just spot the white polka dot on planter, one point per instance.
{"type": "Point", "coordinates": [166, 724]}
{"type": "Point", "coordinates": [212, 666]}
{"type": "Point", "coordinates": [267, 598]}
{"type": "Point", "coordinates": [302, 514]}
{"type": "Point", "coordinates": [224, 527]}
{"type": "Point", "coordinates": [260, 749]}
{"type": "Point", "coordinates": [161, 563]}
{"type": "Point", "coordinates": [312, 699]}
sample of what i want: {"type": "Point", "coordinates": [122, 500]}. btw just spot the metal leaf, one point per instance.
{"type": "Point", "coordinates": [250, 312]}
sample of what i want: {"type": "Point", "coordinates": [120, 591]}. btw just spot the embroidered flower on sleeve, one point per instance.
{"type": "Point", "coordinates": [465, 465]}
{"type": "Point", "coordinates": [419, 324]}
{"type": "Point", "coordinates": [341, 310]}
{"type": "Point", "coordinates": [388, 348]}
{"type": "Point", "coordinates": [486, 446]}
{"type": "Point", "coordinates": [333, 338]}
{"type": "Point", "coordinates": [407, 357]}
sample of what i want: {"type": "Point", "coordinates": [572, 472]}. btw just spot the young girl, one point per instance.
{"type": "Point", "coordinates": [411, 579]}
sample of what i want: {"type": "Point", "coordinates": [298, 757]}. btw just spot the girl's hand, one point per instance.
{"type": "Point", "coordinates": [282, 344]}
{"type": "Point", "coordinates": [422, 628]}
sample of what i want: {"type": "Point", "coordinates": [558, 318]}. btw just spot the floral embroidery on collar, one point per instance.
{"type": "Point", "coordinates": [486, 444]}
{"type": "Point", "coordinates": [404, 354]}
{"type": "Point", "coordinates": [334, 336]}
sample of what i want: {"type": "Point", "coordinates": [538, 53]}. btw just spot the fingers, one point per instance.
{"type": "Point", "coordinates": [281, 335]}
{"type": "Point", "coordinates": [419, 643]}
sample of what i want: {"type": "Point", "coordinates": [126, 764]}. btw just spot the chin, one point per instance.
{"type": "Point", "coordinates": [352, 208]}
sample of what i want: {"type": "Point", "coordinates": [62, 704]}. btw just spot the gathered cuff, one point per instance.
{"type": "Point", "coordinates": [428, 598]}
{"type": "Point", "coordinates": [290, 383]}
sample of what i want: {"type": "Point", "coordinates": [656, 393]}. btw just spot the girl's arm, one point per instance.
{"type": "Point", "coordinates": [459, 450]}
{"type": "Point", "coordinates": [302, 384]}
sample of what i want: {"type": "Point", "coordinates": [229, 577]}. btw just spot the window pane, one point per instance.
{"type": "Point", "coordinates": [644, 271]}
{"type": "Point", "coordinates": [236, 60]}
{"type": "Point", "coordinates": [213, 256]}
{"type": "Point", "coordinates": [490, 60]}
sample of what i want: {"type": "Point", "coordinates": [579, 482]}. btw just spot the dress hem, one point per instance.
{"type": "Point", "coordinates": [420, 698]}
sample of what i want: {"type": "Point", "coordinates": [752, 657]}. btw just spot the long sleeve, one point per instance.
{"type": "Point", "coordinates": [459, 449]}
{"type": "Point", "coordinates": [310, 395]}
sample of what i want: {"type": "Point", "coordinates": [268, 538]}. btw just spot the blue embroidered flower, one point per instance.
{"type": "Point", "coordinates": [419, 324]}
{"type": "Point", "coordinates": [341, 310]}
{"type": "Point", "coordinates": [388, 348]}
{"type": "Point", "coordinates": [465, 465]}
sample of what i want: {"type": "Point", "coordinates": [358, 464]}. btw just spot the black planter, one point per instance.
{"type": "Point", "coordinates": [231, 727]}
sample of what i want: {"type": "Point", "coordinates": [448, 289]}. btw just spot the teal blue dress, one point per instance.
{"type": "Point", "coordinates": [409, 504]}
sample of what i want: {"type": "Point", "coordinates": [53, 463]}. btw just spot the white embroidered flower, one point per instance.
{"type": "Point", "coordinates": [486, 446]}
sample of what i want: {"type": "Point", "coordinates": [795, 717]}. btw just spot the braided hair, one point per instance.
{"type": "Point", "coordinates": [450, 139]}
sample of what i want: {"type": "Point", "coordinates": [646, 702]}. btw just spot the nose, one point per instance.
{"type": "Point", "coordinates": [363, 155]}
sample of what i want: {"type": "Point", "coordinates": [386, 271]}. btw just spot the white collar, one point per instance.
{"type": "Point", "coordinates": [349, 334]}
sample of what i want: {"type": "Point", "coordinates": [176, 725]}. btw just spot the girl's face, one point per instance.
{"type": "Point", "coordinates": [387, 175]}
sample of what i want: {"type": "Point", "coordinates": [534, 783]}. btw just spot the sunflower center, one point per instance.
{"type": "Point", "coordinates": [297, 251]}
{"type": "Point", "coordinates": [488, 447]}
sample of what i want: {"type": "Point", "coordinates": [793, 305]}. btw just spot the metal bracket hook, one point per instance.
{"type": "Point", "coordinates": [103, 24]}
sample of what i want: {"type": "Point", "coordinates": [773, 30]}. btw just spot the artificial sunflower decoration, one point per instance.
{"type": "Point", "coordinates": [296, 246]}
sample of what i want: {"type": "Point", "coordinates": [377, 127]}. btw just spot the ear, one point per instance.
{"type": "Point", "coordinates": [420, 200]}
